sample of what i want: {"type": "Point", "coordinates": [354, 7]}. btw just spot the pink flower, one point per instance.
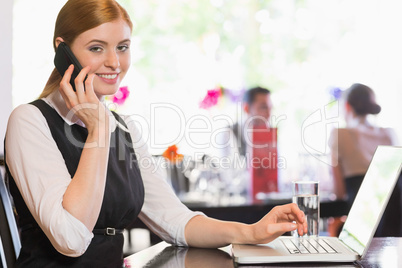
{"type": "Point", "coordinates": [211, 99]}
{"type": "Point", "coordinates": [127, 263]}
{"type": "Point", "coordinates": [121, 95]}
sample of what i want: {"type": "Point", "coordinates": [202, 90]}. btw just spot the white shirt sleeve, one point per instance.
{"type": "Point", "coordinates": [41, 175]}
{"type": "Point", "coordinates": [162, 211]}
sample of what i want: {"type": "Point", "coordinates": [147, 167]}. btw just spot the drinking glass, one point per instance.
{"type": "Point", "coordinates": [306, 196]}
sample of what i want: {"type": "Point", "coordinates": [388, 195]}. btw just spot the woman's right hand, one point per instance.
{"type": "Point", "coordinates": [83, 102]}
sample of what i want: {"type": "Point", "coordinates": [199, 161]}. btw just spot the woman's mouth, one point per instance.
{"type": "Point", "coordinates": [109, 78]}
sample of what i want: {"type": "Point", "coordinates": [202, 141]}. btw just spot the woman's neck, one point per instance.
{"type": "Point", "coordinates": [358, 121]}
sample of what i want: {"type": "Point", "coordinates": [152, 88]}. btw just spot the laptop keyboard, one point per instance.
{"type": "Point", "coordinates": [308, 246]}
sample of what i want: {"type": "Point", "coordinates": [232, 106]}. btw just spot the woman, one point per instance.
{"type": "Point", "coordinates": [73, 165]}
{"type": "Point", "coordinates": [353, 147]}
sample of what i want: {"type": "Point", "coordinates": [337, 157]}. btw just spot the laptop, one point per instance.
{"type": "Point", "coordinates": [357, 232]}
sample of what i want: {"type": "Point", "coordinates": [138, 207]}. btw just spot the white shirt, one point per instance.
{"type": "Point", "coordinates": [41, 175]}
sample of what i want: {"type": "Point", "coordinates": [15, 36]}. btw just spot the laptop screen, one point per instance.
{"type": "Point", "coordinates": [371, 200]}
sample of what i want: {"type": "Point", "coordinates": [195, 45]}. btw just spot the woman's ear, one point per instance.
{"type": "Point", "coordinates": [246, 108]}
{"type": "Point", "coordinates": [349, 111]}
{"type": "Point", "coordinates": [348, 108]}
{"type": "Point", "coordinates": [58, 41]}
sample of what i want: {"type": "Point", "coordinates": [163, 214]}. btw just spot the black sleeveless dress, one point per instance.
{"type": "Point", "coordinates": [122, 202]}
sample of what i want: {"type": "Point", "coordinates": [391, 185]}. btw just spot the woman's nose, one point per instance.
{"type": "Point", "coordinates": [112, 60]}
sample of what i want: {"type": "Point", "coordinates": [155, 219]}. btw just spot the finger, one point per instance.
{"type": "Point", "coordinates": [79, 80]}
{"type": "Point", "coordinates": [89, 89]}
{"type": "Point", "coordinates": [66, 89]}
{"type": "Point", "coordinates": [65, 81]}
{"type": "Point", "coordinates": [291, 212]}
{"type": "Point", "coordinates": [302, 227]}
{"type": "Point", "coordinates": [301, 230]}
{"type": "Point", "coordinates": [278, 229]}
{"type": "Point", "coordinates": [299, 214]}
{"type": "Point", "coordinates": [304, 223]}
{"type": "Point", "coordinates": [84, 87]}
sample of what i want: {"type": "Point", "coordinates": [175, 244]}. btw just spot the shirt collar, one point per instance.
{"type": "Point", "coordinates": [56, 101]}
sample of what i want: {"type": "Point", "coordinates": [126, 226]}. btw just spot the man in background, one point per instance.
{"type": "Point", "coordinates": [257, 104]}
{"type": "Point", "coordinates": [237, 141]}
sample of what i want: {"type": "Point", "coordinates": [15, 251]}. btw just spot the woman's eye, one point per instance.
{"type": "Point", "coordinates": [123, 48]}
{"type": "Point", "coordinates": [95, 49]}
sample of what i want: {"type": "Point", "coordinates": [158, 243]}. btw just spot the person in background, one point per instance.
{"type": "Point", "coordinates": [353, 147]}
{"type": "Point", "coordinates": [74, 167]}
{"type": "Point", "coordinates": [237, 140]}
{"type": "Point", "coordinates": [257, 105]}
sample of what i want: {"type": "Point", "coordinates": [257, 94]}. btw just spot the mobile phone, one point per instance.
{"type": "Point", "coordinates": [63, 59]}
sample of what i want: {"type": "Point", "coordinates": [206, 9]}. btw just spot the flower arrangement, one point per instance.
{"type": "Point", "coordinates": [121, 95]}
{"type": "Point", "coordinates": [211, 99]}
{"type": "Point", "coordinates": [335, 93]}
{"type": "Point", "coordinates": [218, 94]}
{"type": "Point", "coordinates": [171, 154]}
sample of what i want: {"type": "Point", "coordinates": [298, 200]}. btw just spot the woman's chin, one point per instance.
{"type": "Point", "coordinates": [106, 91]}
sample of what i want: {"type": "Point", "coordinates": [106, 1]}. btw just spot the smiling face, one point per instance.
{"type": "Point", "coordinates": [106, 48]}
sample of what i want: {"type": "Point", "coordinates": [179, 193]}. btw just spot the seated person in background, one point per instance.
{"type": "Point", "coordinates": [353, 147]}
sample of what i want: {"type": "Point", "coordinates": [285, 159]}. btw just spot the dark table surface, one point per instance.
{"type": "Point", "coordinates": [251, 212]}
{"type": "Point", "coordinates": [383, 252]}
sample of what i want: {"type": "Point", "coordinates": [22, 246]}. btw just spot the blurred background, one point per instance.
{"type": "Point", "coordinates": [306, 52]}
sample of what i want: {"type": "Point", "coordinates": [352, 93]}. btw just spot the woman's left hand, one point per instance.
{"type": "Point", "coordinates": [279, 220]}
